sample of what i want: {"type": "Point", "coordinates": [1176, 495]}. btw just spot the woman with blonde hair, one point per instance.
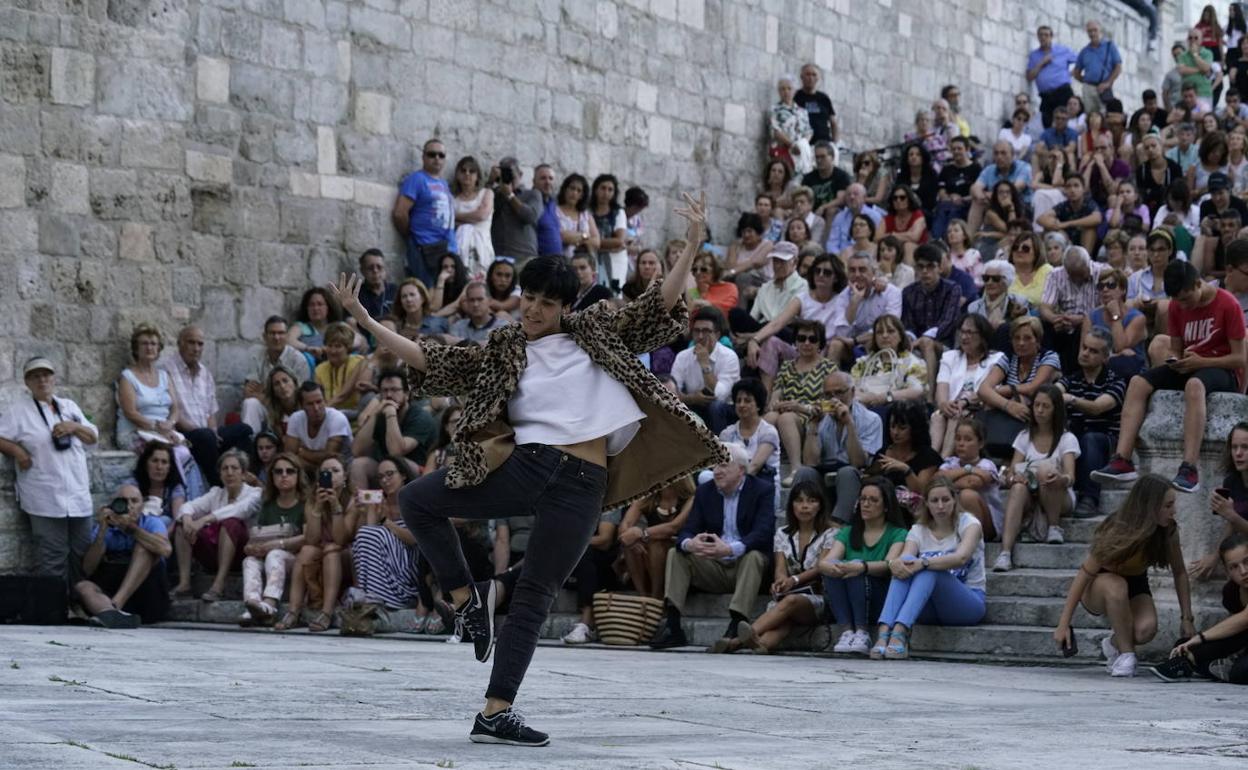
{"type": "Point", "coordinates": [340, 374]}
{"type": "Point", "coordinates": [1113, 579]}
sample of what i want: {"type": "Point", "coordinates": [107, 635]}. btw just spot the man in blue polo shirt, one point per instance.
{"type": "Point", "coordinates": [1098, 65]}
{"type": "Point", "coordinates": [549, 237]}
{"type": "Point", "coordinates": [424, 212]}
{"type": "Point", "coordinates": [1003, 167]}
{"type": "Point", "coordinates": [1049, 68]}
{"type": "Point", "coordinates": [123, 569]}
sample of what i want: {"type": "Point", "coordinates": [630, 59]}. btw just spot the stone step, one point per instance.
{"type": "Point", "coordinates": [1030, 582]}
{"type": "Point", "coordinates": [1067, 556]}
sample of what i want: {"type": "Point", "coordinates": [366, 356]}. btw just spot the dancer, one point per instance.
{"type": "Point", "coordinates": [560, 419]}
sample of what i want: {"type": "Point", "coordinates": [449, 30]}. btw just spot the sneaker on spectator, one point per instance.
{"type": "Point", "coordinates": [580, 634]}
{"type": "Point", "coordinates": [860, 644]}
{"type": "Point", "coordinates": [843, 644]}
{"type": "Point", "coordinates": [1055, 536]}
{"type": "Point", "coordinates": [1124, 665]}
{"type": "Point", "coordinates": [1109, 651]}
{"type": "Point", "coordinates": [1119, 470]}
{"type": "Point", "coordinates": [114, 618]}
{"type": "Point", "coordinates": [1187, 479]}
{"type": "Point", "coordinates": [506, 727]}
{"type": "Point", "coordinates": [1176, 669]}
{"type": "Point", "coordinates": [1004, 562]}
{"type": "Point", "coordinates": [1086, 508]}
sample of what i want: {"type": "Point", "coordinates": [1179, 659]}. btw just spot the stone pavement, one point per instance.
{"type": "Point", "coordinates": [73, 697]}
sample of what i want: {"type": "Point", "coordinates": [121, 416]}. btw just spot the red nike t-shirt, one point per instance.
{"type": "Point", "coordinates": [1207, 331]}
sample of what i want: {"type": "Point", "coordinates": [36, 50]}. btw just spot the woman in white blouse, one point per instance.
{"type": "Point", "coordinates": [957, 384]}
{"type": "Point", "coordinates": [474, 212]}
{"type": "Point", "coordinates": [213, 528]}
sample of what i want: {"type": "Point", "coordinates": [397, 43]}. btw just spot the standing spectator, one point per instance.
{"type": "Point", "coordinates": [377, 295]}
{"type": "Point", "coordinates": [123, 569]}
{"type": "Point", "coordinates": [513, 230]}
{"type": "Point", "coordinates": [1194, 65]}
{"type": "Point", "coordinates": [1206, 327]}
{"type": "Point", "coordinates": [706, 372]}
{"type": "Point", "coordinates": [474, 212]}
{"type": "Point", "coordinates": [1049, 68]}
{"type": "Point", "coordinates": [1097, 67]}
{"type": "Point", "coordinates": [477, 321]}
{"type": "Point", "coordinates": [819, 111]}
{"type": "Point", "coordinates": [549, 232]}
{"type": "Point", "coordinates": [636, 200]}
{"type": "Point", "coordinates": [317, 431]}
{"type": "Point", "coordinates": [648, 530]}
{"type": "Point", "coordinates": [954, 186]}
{"type": "Point", "coordinates": [394, 427]}
{"type": "Point", "coordinates": [612, 224]}
{"type": "Point", "coordinates": [722, 548]}
{"type": "Point", "coordinates": [576, 224]}
{"type": "Point", "coordinates": [1070, 295]}
{"type": "Point", "coordinates": [840, 228]}
{"type": "Point", "coordinates": [274, 540]}
{"type": "Point", "coordinates": [930, 307]}
{"type": "Point", "coordinates": [1005, 168]}
{"type": "Point", "coordinates": [589, 290]}
{"type": "Point", "coordinates": [213, 528]}
{"type": "Point", "coordinates": [828, 181]}
{"type": "Point", "coordinates": [790, 129]}
{"type": "Point", "coordinates": [840, 440]}
{"type": "Point", "coordinates": [424, 212]}
{"type": "Point", "coordinates": [1093, 398]}
{"type": "Point", "coordinates": [45, 436]}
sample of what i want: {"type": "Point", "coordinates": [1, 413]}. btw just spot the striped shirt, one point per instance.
{"type": "Point", "coordinates": [1010, 367]}
{"type": "Point", "coordinates": [1065, 296]}
{"type": "Point", "coordinates": [1076, 385]}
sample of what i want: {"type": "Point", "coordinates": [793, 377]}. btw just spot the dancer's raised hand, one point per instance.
{"type": "Point", "coordinates": [694, 211]}
{"type": "Point", "coordinates": [347, 292]}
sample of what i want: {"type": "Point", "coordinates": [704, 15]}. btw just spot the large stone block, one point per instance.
{"type": "Point", "coordinates": [326, 151]}
{"type": "Point", "coordinates": [24, 74]}
{"type": "Point", "coordinates": [150, 144]}
{"type": "Point", "coordinates": [203, 167]}
{"type": "Point", "coordinates": [135, 242]}
{"type": "Point", "coordinates": [12, 181]}
{"type": "Point", "coordinates": [70, 191]}
{"type": "Point", "coordinates": [212, 79]}
{"type": "Point", "coordinates": [58, 235]}
{"type": "Point", "coordinates": [142, 88]}
{"type": "Point", "coordinates": [257, 89]}
{"type": "Point", "coordinates": [258, 303]}
{"type": "Point", "coordinates": [387, 29]}
{"type": "Point", "coordinates": [372, 112]}
{"type": "Point", "coordinates": [281, 47]}
{"type": "Point", "coordinates": [73, 77]}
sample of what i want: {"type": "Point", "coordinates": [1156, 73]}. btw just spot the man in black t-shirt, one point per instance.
{"type": "Point", "coordinates": [1220, 199]}
{"type": "Point", "coordinates": [818, 106]}
{"type": "Point", "coordinates": [954, 186]}
{"type": "Point", "coordinates": [826, 182]}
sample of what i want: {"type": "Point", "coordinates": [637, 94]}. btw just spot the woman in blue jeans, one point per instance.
{"type": "Point", "coordinates": [939, 578]}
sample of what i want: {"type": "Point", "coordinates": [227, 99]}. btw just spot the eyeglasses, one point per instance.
{"type": "Point", "coordinates": [805, 338]}
{"type": "Point", "coordinates": [994, 278]}
{"type": "Point", "coordinates": [823, 271]}
{"type": "Point", "coordinates": [702, 269]}
{"type": "Point", "coordinates": [1023, 247]}
{"type": "Point", "coordinates": [900, 198]}
{"type": "Point", "coordinates": [285, 472]}
{"type": "Point", "coordinates": [441, 155]}
{"type": "Point", "coordinates": [1107, 285]}
{"type": "Point", "coordinates": [840, 393]}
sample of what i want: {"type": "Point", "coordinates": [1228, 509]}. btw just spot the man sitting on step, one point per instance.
{"type": "Point", "coordinates": [1093, 397]}
{"type": "Point", "coordinates": [725, 546]}
{"type": "Point", "coordinates": [124, 570]}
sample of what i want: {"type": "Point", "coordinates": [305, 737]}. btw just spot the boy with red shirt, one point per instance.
{"type": "Point", "coordinates": [1206, 328]}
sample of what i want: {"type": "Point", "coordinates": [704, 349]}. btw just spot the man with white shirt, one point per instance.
{"type": "Point", "coordinates": [316, 432]}
{"type": "Point", "coordinates": [276, 353]}
{"type": "Point", "coordinates": [866, 298]}
{"type": "Point", "coordinates": [855, 204]}
{"type": "Point", "coordinates": [706, 372]}
{"type": "Point", "coordinates": [784, 285]}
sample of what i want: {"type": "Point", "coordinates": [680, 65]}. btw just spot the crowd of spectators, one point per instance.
{"type": "Point", "coordinates": [955, 343]}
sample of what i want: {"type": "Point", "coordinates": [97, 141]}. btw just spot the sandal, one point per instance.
{"type": "Point", "coordinates": [179, 593]}
{"type": "Point", "coordinates": [262, 613]}
{"type": "Point", "coordinates": [434, 625]}
{"type": "Point", "coordinates": [210, 597]}
{"type": "Point", "coordinates": [289, 620]}
{"type": "Point", "coordinates": [321, 621]}
{"type": "Point", "coordinates": [899, 646]}
{"type": "Point", "coordinates": [749, 639]}
{"type": "Point", "coordinates": [881, 646]}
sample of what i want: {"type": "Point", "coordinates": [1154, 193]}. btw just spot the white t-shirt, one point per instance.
{"type": "Point", "coordinates": [335, 424]}
{"type": "Point", "coordinates": [563, 398]}
{"type": "Point", "coordinates": [826, 313]}
{"type": "Point", "coordinates": [971, 573]}
{"type": "Point", "coordinates": [955, 372]}
{"type": "Point", "coordinates": [1033, 457]}
{"type": "Point", "coordinates": [991, 493]}
{"type": "Point", "coordinates": [58, 484]}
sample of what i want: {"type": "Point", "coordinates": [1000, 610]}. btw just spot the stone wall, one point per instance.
{"type": "Point", "coordinates": [175, 160]}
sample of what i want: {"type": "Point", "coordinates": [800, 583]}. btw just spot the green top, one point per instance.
{"type": "Point", "coordinates": [272, 513]}
{"type": "Point", "coordinates": [879, 551]}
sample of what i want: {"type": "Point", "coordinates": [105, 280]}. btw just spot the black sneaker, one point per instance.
{"type": "Point", "coordinates": [114, 618]}
{"type": "Point", "coordinates": [1176, 669]}
{"type": "Point", "coordinates": [506, 727]}
{"type": "Point", "coordinates": [475, 619]}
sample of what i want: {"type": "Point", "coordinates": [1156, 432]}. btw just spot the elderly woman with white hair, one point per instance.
{"type": "Point", "coordinates": [997, 305]}
{"type": "Point", "coordinates": [790, 129]}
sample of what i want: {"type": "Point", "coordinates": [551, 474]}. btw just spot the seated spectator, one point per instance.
{"type": "Point", "coordinates": [1206, 328]}
{"type": "Point", "coordinates": [594, 573]}
{"type": "Point", "coordinates": [905, 221]}
{"type": "Point", "coordinates": [1124, 206]}
{"type": "Point", "coordinates": [147, 405]}
{"type": "Point", "coordinates": [798, 389]}
{"type": "Point", "coordinates": [1101, 169]}
{"type": "Point", "coordinates": [709, 289]}
{"type": "Point", "coordinates": [917, 173]}
{"type": "Point", "coordinates": [790, 130]}
{"type": "Point", "coordinates": [876, 181]}
{"type": "Point", "coordinates": [1055, 245]}
{"type": "Point", "coordinates": [1016, 134]}
{"type": "Point", "coordinates": [765, 350]}
{"type": "Point", "coordinates": [377, 294]}
{"type": "Point", "coordinates": [576, 224]}
{"type": "Point", "coordinates": [330, 519]}
{"type": "Point", "coordinates": [46, 436]}
{"type": "Point", "coordinates": [1146, 288]}
{"type": "Point", "coordinates": [274, 539]}
{"type": "Point", "coordinates": [1041, 476]}
{"type": "Point", "coordinates": [749, 257]}
{"type": "Point", "coordinates": [751, 431]}
{"type": "Point", "coordinates": [997, 306]}
{"type": "Point", "coordinates": [706, 372]}
{"type": "Point", "coordinates": [840, 440]}
{"type": "Point", "coordinates": [960, 277]}
{"type": "Point", "coordinates": [889, 371]}
{"type": "Point", "coordinates": [213, 528]}
{"type": "Point", "coordinates": [1113, 579]}
{"type": "Point", "coordinates": [722, 547]}
{"type": "Point", "coordinates": [1078, 215]}
{"type": "Point", "coordinates": [504, 289]}
{"type": "Point", "coordinates": [649, 269]}
{"type": "Point", "coordinates": [803, 211]}
{"type": "Point", "coordinates": [888, 262]}
{"type": "Point", "coordinates": [777, 182]}
{"type": "Point", "coordinates": [1007, 391]}
{"type": "Point", "coordinates": [774, 295]}
{"type": "Point", "coordinates": [841, 233]}
{"type": "Point", "coordinates": [1093, 397]}
{"type": "Point", "coordinates": [1230, 500]}
{"type": "Point", "coordinates": [342, 371]}
{"type": "Point", "coordinates": [861, 239]}
{"type": "Point", "coordinates": [411, 313]}
{"type": "Point", "coordinates": [962, 370]}
{"type": "Point", "coordinates": [267, 446]}
{"type": "Point", "coordinates": [443, 449]}
{"type": "Point", "coordinates": [1155, 175]}
{"type": "Point", "coordinates": [798, 233]}
{"type": "Point", "coordinates": [1114, 252]}
{"type": "Point", "coordinates": [391, 426]}
{"type": "Point", "coordinates": [448, 286]}
{"type": "Point", "coordinates": [1186, 211]}
{"type": "Point", "coordinates": [1127, 326]}
{"type": "Point", "coordinates": [954, 186]}
{"type": "Point", "coordinates": [276, 354]}
{"type": "Point", "coordinates": [477, 321]}
{"type": "Point", "coordinates": [1218, 652]}
{"type": "Point", "coordinates": [511, 540]}
{"type": "Point", "coordinates": [1061, 136]}
{"type": "Point", "coordinates": [1004, 168]}
{"type": "Point", "coordinates": [279, 401]}
{"type": "Point", "coordinates": [196, 394]}
{"type": "Point", "coordinates": [383, 552]}
{"type": "Point", "coordinates": [765, 207]}
{"type": "Point", "coordinates": [1137, 257]}
{"type": "Point", "coordinates": [908, 460]}
{"type": "Point", "coordinates": [827, 182]}
{"type": "Point", "coordinates": [930, 307]}
{"type": "Point", "coordinates": [317, 310]}
{"type": "Point", "coordinates": [1002, 207]}
{"type": "Point", "coordinates": [123, 569]}
{"type": "Point", "coordinates": [974, 476]}
{"type": "Point", "coordinates": [795, 599]}
{"type": "Point", "coordinates": [866, 299]}
{"type": "Point", "coordinates": [1209, 251]}
{"type": "Point", "coordinates": [316, 431]}
{"type": "Point", "coordinates": [648, 531]}
{"type": "Point", "coordinates": [156, 475]}
{"type": "Point", "coordinates": [939, 578]}
{"type": "Point", "coordinates": [1070, 294]}
{"type": "Point", "coordinates": [855, 567]}
{"type": "Point", "coordinates": [961, 256]}
{"type": "Point", "coordinates": [474, 213]}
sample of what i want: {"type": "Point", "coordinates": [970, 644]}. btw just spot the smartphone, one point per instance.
{"type": "Point", "coordinates": [325, 480]}
{"type": "Point", "coordinates": [1224, 492]}
{"type": "Point", "coordinates": [1072, 649]}
{"type": "Point", "coordinates": [371, 496]}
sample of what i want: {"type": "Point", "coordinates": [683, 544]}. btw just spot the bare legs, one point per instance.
{"type": "Point", "coordinates": [1134, 619]}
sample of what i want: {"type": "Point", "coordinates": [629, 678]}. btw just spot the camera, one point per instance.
{"type": "Point", "coordinates": [506, 175]}
{"type": "Point", "coordinates": [119, 506]}
{"type": "Point", "coordinates": [325, 480]}
{"type": "Point", "coordinates": [61, 443]}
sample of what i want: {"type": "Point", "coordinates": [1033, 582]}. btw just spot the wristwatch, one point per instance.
{"type": "Point", "coordinates": [889, 398]}
{"type": "Point", "coordinates": [926, 563]}
{"type": "Point", "coordinates": [1115, 318]}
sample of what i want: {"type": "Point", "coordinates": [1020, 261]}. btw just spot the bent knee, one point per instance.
{"type": "Point", "coordinates": [1145, 630]}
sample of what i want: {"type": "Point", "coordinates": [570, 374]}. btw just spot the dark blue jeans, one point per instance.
{"type": "Point", "coordinates": [565, 496]}
{"type": "Point", "coordinates": [1095, 449]}
{"type": "Point", "coordinates": [857, 600]}
{"type": "Point", "coordinates": [946, 211]}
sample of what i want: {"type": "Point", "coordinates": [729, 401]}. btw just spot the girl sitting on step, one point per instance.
{"type": "Point", "coordinates": [975, 476]}
{"type": "Point", "coordinates": [939, 578]}
{"type": "Point", "coordinates": [1113, 579]}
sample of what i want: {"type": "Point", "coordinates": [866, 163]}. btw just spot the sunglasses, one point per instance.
{"type": "Point", "coordinates": [900, 198]}
{"type": "Point", "coordinates": [823, 271]}
{"type": "Point", "coordinates": [285, 472]}
{"type": "Point", "coordinates": [805, 338]}
{"type": "Point", "coordinates": [441, 155]}
{"type": "Point", "coordinates": [994, 278]}
{"type": "Point", "coordinates": [1025, 247]}
{"type": "Point", "coordinates": [702, 269]}
{"type": "Point", "coordinates": [1107, 285]}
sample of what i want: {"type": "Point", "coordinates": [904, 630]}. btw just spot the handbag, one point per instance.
{"type": "Point", "coordinates": [880, 373]}
{"type": "Point", "coordinates": [270, 532]}
{"type": "Point", "coordinates": [626, 619]}
{"type": "Point", "coordinates": [359, 619]}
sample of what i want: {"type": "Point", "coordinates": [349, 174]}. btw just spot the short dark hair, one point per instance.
{"type": "Point", "coordinates": [370, 253]}
{"type": "Point", "coordinates": [752, 386]}
{"type": "Point", "coordinates": [711, 314]}
{"type": "Point", "coordinates": [927, 253]}
{"type": "Point", "coordinates": [551, 276]}
{"type": "Point", "coordinates": [752, 221]}
{"type": "Point", "coordinates": [635, 196]}
{"type": "Point", "coordinates": [309, 386]}
{"type": "Point", "coordinates": [1237, 253]}
{"type": "Point", "coordinates": [390, 374]}
{"type": "Point", "coordinates": [814, 327]}
{"type": "Point", "coordinates": [275, 319]}
{"type": "Point", "coordinates": [1179, 277]}
{"type": "Point", "coordinates": [962, 140]}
